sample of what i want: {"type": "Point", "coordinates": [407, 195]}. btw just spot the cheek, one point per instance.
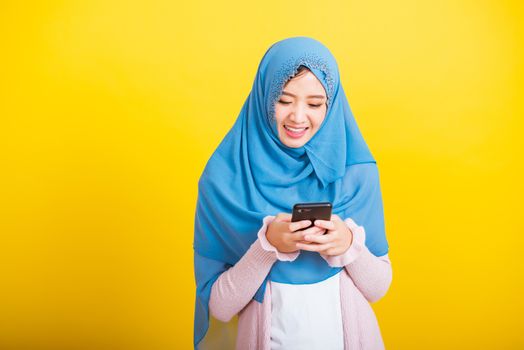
{"type": "Point", "coordinates": [279, 114]}
{"type": "Point", "coordinates": [317, 119]}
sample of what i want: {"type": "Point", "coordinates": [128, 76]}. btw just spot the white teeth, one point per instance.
{"type": "Point", "coordinates": [293, 129]}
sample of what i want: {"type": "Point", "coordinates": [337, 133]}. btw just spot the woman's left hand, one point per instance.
{"type": "Point", "coordinates": [335, 241]}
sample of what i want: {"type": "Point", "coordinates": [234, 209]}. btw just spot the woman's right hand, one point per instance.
{"type": "Point", "coordinates": [284, 234]}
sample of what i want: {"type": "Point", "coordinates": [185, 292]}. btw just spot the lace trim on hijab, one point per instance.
{"type": "Point", "coordinates": [289, 69]}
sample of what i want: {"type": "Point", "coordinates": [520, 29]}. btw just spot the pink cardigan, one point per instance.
{"type": "Point", "coordinates": [365, 279]}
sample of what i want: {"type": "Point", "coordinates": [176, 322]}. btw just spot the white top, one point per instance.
{"type": "Point", "coordinates": [306, 316]}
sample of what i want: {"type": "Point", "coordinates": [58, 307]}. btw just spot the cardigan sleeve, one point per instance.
{"type": "Point", "coordinates": [372, 275]}
{"type": "Point", "coordinates": [269, 247]}
{"type": "Point", "coordinates": [236, 286]}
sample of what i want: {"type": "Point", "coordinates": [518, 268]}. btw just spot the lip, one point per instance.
{"type": "Point", "coordinates": [293, 134]}
{"type": "Point", "coordinates": [296, 127]}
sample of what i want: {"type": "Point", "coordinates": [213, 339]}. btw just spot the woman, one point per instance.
{"type": "Point", "coordinates": [295, 140]}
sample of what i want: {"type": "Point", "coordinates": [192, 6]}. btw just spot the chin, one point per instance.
{"type": "Point", "coordinates": [294, 143]}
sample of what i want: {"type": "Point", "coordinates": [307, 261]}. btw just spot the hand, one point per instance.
{"type": "Point", "coordinates": [284, 235]}
{"type": "Point", "coordinates": [336, 241]}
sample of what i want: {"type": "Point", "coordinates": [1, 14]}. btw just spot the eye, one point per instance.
{"type": "Point", "coordinates": [284, 102]}
{"type": "Point", "coordinates": [315, 106]}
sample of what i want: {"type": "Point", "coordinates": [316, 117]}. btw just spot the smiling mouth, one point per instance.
{"type": "Point", "coordinates": [295, 133]}
{"type": "Point", "coordinates": [295, 130]}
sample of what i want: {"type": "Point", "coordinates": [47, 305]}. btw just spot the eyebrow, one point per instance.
{"type": "Point", "coordinates": [290, 94]}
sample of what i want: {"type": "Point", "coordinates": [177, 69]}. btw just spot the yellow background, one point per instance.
{"type": "Point", "coordinates": [110, 110]}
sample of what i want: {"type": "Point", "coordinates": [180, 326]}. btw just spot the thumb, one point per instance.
{"type": "Point", "coordinates": [297, 236]}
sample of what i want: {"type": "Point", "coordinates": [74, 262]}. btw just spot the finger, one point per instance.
{"type": "Point", "coordinates": [320, 239]}
{"type": "Point", "coordinates": [297, 225]}
{"type": "Point", "coordinates": [297, 237]}
{"type": "Point", "coordinates": [329, 225]}
{"type": "Point", "coordinates": [312, 231]}
{"type": "Point", "coordinates": [304, 242]}
{"type": "Point", "coordinates": [313, 247]}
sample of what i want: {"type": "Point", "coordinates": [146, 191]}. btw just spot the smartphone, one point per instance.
{"type": "Point", "coordinates": [311, 211]}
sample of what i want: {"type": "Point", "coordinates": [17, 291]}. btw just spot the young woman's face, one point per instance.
{"type": "Point", "coordinates": [300, 110]}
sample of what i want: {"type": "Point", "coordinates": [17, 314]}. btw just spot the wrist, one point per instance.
{"type": "Point", "coordinates": [350, 234]}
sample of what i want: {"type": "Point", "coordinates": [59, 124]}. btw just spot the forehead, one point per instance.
{"type": "Point", "coordinates": [306, 85]}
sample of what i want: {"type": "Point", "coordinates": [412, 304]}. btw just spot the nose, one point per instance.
{"type": "Point", "coordinates": [298, 114]}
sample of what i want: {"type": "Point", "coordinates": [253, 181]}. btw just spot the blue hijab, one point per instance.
{"type": "Point", "coordinates": [252, 174]}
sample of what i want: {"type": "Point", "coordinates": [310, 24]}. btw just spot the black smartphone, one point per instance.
{"type": "Point", "coordinates": [311, 211]}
